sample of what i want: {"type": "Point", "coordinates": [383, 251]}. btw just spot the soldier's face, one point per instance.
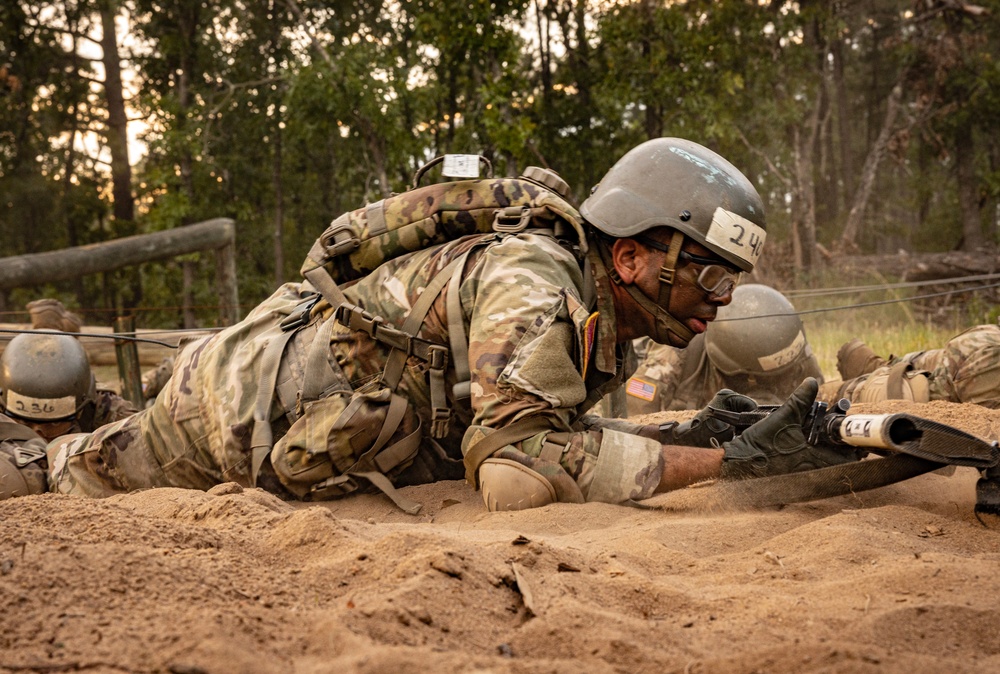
{"type": "Point", "coordinates": [53, 429]}
{"type": "Point", "coordinates": [689, 303]}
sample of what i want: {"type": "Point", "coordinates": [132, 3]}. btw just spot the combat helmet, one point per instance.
{"type": "Point", "coordinates": [45, 377]}
{"type": "Point", "coordinates": [757, 334]}
{"type": "Point", "coordinates": [679, 184]}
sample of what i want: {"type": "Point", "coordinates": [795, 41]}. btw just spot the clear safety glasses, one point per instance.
{"type": "Point", "coordinates": [715, 279]}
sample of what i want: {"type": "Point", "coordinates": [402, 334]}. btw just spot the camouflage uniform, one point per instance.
{"type": "Point", "coordinates": [21, 440]}
{"type": "Point", "coordinates": [685, 379]}
{"type": "Point", "coordinates": [965, 370]}
{"type": "Point", "coordinates": [535, 348]}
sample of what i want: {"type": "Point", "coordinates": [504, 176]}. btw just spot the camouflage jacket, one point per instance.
{"type": "Point", "coordinates": [109, 407]}
{"type": "Point", "coordinates": [534, 348]}
{"type": "Point", "coordinates": [685, 379]}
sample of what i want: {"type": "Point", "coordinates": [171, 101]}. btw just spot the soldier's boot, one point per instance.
{"type": "Point", "coordinates": [20, 480]}
{"type": "Point", "coordinates": [154, 380]}
{"type": "Point", "coordinates": [857, 358]}
{"type": "Point", "coordinates": [508, 485]}
{"type": "Point", "coordinates": [50, 314]}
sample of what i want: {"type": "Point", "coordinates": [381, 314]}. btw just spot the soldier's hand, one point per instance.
{"type": "Point", "coordinates": [777, 444]}
{"type": "Point", "coordinates": [705, 431]}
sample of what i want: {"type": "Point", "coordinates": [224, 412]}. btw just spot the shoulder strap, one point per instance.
{"type": "Point", "coordinates": [456, 335]}
{"type": "Point", "coordinates": [262, 438]}
{"type": "Point", "coordinates": [894, 382]}
{"type": "Point", "coordinates": [11, 430]}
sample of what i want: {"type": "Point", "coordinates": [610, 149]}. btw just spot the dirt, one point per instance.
{"type": "Point", "coordinates": [899, 579]}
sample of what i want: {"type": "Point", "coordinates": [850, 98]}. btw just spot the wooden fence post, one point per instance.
{"type": "Point", "coordinates": [128, 362]}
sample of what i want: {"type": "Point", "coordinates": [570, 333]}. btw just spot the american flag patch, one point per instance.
{"type": "Point", "coordinates": [641, 389]}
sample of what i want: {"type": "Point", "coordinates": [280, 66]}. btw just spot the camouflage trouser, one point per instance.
{"type": "Point", "coordinates": [162, 446]}
{"type": "Point", "coordinates": [966, 370]}
{"type": "Point", "coordinates": [117, 458]}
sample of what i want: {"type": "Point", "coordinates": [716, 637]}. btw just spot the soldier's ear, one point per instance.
{"type": "Point", "coordinates": [628, 257]}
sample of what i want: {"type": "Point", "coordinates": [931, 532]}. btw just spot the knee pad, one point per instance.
{"type": "Point", "coordinates": [508, 485]}
{"type": "Point", "coordinates": [899, 382]}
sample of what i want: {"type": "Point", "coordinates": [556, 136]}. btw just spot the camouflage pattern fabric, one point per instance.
{"type": "Point", "coordinates": [436, 214]}
{"type": "Point", "coordinates": [685, 379]}
{"type": "Point", "coordinates": [965, 370]}
{"type": "Point", "coordinates": [108, 408]}
{"type": "Point", "coordinates": [534, 349]}
{"type": "Point", "coordinates": [155, 379]}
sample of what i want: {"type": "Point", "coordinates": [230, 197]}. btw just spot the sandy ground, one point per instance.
{"type": "Point", "coordinates": [900, 579]}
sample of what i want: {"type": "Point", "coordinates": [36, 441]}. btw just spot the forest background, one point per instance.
{"type": "Point", "coordinates": [867, 125]}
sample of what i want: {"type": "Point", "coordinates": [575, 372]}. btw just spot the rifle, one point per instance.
{"type": "Point", "coordinates": [932, 445]}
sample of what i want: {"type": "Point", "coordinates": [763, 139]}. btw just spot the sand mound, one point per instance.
{"type": "Point", "coordinates": [903, 578]}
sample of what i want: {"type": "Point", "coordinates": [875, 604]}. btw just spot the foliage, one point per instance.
{"type": "Point", "coordinates": [282, 114]}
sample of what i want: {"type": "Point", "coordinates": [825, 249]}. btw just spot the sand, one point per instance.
{"type": "Point", "coordinates": [899, 579]}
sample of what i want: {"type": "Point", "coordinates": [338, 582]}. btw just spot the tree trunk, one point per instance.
{"type": "Point", "coordinates": [848, 238]}
{"type": "Point", "coordinates": [279, 206]}
{"type": "Point", "coordinates": [968, 189]}
{"type": "Point", "coordinates": [117, 139]}
{"type": "Point", "coordinates": [846, 168]}
{"type": "Point", "coordinates": [117, 132]}
{"type": "Point", "coordinates": [189, 25]}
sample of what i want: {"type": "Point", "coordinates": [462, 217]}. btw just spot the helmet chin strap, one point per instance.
{"type": "Point", "coordinates": [665, 324]}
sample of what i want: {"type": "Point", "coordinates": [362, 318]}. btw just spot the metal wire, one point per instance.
{"type": "Point", "coordinates": [861, 305]}
{"type": "Point", "coordinates": [124, 336]}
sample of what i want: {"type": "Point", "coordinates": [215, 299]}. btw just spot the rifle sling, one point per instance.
{"type": "Point", "coordinates": [813, 485]}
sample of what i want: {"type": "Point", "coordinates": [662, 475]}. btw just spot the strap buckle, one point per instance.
{"type": "Point", "coordinates": [667, 275]}
{"type": "Point", "coordinates": [440, 420]}
{"type": "Point", "coordinates": [299, 316]}
{"type": "Point", "coordinates": [343, 246]}
{"type": "Point", "coordinates": [332, 487]}
{"type": "Point", "coordinates": [356, 318]}
{"type": "Point", "coordinates": [25, 455]}
{"type": "Point", "coordinates": [438, 357]}
{"type": "Point", "coordinates": [512, 219]}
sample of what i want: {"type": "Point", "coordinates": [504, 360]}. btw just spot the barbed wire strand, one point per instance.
{"type": "Point", "coordinates": [861, 305]}
{"type": "Point", "coordinates": [803, 293]}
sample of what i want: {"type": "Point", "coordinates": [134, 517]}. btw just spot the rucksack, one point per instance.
{"type": "Point", "coordinates": [358, 242]}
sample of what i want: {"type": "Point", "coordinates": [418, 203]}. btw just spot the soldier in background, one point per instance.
{"type": "Point", "coordinates": [47, 390]}
{"type": "Point", "coordinates": [965, 370]}
{"type": "Point", "coordinates": [756, 346]}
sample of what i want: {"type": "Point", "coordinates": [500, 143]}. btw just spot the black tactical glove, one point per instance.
{"type": "Point", "coordinates": [777, 444]}
{"type": "Point", "coordinates": [705, 431]}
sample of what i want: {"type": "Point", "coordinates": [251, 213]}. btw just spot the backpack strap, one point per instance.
{"type": "Point", "coordinates": [894, 382]}
{"type": "Point", "coordinates": [338, 239]}
{"type": "Point", "coordinates": [462, 390]}
{"type": "Point", "coordinates": [262, 437]}
{"type": "Point", "coordinates": [405, 343]}
{"type": "Point", "coordinates": [318, 373]}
